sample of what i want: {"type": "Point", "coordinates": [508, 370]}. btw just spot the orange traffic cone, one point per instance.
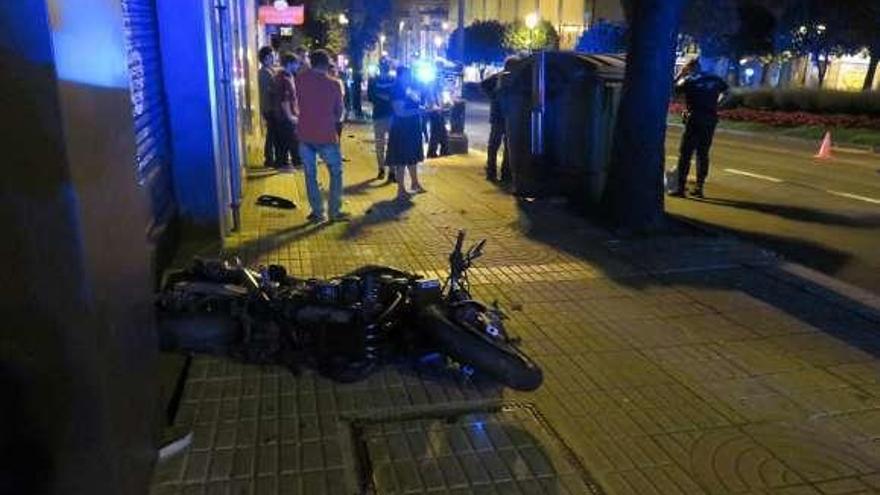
{"type": "Point", "coordinates": [825, 149]}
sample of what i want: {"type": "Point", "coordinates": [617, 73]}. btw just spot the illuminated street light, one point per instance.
{"type": "Point", "coordinates": [401, 25]}
{"type": "Point", "coordinates": [343, 19]}
{"type": "Point", "coordinates": [382, 38]}
{"type": "Point", "coordinates": [445, 26]}
{"type": "Point", "coordinates": [821, 28]}
{"type": "Point", "coordinates": [532, 20]}
{"type": "Point", "coordinates": [438, 41]}
{"type": "Point", "coordinates": [803, 30]}
{"type": "Point", "coordinates": [531, 23]}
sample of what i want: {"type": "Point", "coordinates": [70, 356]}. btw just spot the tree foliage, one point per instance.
{"type": "Point", "coordinates": [755, 34]}
{"type": "Point", "coordinates": [604, 37]}
{"type": "Point", "coordinates": [518, 37]}
{"type": "Point", "coordinates": [713, 24]}
{"type": "Point", "coordinates": [322, 30]}
{"type": "Point", "coordinates": [818, 29]}
{"type": "Point", "coordinates": [483, 43]}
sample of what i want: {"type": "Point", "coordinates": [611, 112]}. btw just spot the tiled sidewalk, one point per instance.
{"type": "Point", "coordinates": [685, 364]}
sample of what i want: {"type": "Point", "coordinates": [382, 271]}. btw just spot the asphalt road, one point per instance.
{"type": "Point", "coordinates": [823, 214]}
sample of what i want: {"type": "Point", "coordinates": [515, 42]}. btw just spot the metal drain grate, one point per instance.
{"type": "Point", "coordinates": [507, 449]}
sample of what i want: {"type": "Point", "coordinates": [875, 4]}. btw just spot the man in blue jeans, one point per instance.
{"type": "Point", "coordinates": [321, 110]}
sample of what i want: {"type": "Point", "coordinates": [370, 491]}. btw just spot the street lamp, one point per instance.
{"type": "Point", "coordinates": [343, 19]}
{"type": "Point", "coordinates": [532, 20]}
{"type": "Point", "coordinates": [531, 23]}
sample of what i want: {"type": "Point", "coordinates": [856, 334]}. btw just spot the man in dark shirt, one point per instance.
{"type": "Point", "coordinates": [286, 110]}
{"type": "Point", "coordinates": [702, 92]}
{"type": "Point", "coordinates": [271, 154]}
{"type": "Point", "coordinates": [379, 93]}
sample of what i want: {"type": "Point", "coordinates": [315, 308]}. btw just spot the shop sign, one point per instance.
{"type": "Point", "coordinates": [281, 13]}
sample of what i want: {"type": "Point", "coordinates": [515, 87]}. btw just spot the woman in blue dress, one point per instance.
{"type": "Point", "coordinates": [405, 146]}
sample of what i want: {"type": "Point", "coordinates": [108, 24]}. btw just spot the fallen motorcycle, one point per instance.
{"type": "Point", "coordinates": [345, 327]}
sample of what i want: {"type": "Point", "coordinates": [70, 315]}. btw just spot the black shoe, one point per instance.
{"type": "Point", "coordinates": [491, 177]}
{"type": "Point", "coordinates": [677, 194]}
{"type": "Point", "coordinates": [381, 174]}
{"type": "Point", "coordinates": [697, 192]}
{"type": "Point", "coordinates": [316, 218]}
{"type": "Point", "coordinates": [391, 178]}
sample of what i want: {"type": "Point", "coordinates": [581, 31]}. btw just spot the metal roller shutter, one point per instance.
{"type": "Point", "coordinates": [153, 159]}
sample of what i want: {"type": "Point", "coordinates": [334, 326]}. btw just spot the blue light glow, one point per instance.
{"type": "Point", "coordinates": [89, 43]}
{"type": "Point", "coordinates": [425, 71]}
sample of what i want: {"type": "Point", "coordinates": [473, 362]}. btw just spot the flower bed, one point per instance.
{"type": "Point", "coordinates": [792, 119]}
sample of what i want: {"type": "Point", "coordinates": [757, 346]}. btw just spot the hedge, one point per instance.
{"type": "Point", "coordinates": [778, 118]}
{"type": "Point", "coordinates": [806, 100]}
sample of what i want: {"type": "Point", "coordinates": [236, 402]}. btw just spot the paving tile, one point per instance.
{"type": "Point", "coordinates": [658, 381]}
{"type": "Point", "coordinates": [816, 455]}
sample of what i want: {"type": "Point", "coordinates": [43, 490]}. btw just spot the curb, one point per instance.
{"type": "Point", "coordinates": [849, 148]}
{"type": "Point", "coordinates": [860, 301]}
{"type": "Point", "coordinates": [856, 299]}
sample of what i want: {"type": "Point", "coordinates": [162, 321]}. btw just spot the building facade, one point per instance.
{"type": "Point", "coordinates": [422, 30]}
{"type": "Point", "coordinates": [570, 17]}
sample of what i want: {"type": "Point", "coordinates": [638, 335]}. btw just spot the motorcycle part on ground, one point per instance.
{"type": "Point", "coordinates": [503, 362]}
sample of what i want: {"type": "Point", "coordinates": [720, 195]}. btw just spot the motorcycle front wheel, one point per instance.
{"type": "Point", "coordinates": [498, 359]}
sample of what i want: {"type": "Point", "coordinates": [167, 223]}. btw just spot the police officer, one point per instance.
{"type": "Point", "coordinates": [497, 133]}
{"type": "Point", "coordinates": [702, 92]}
{"type": "Point", "coordinates": [438, 141]}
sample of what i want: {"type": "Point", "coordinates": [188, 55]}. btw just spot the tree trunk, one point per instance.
{"type": "Point", "coordinates": [627, 5]}
{"type": "Point", "coordinates": [633, 198]}
{"type": "Point", "coordinates": [357, 79]}
{"type": "Point", "coordinates": [765, 74]}
{"type": "Point", "coordinates": [872, 69]}
{"type": "Point", "coordinates": [823, 69]}
{"type": "Point", "coordinates": [737, 71]}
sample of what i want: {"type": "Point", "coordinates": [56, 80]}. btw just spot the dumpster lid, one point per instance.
{"type": "Point", "coordinates": [608, 66]}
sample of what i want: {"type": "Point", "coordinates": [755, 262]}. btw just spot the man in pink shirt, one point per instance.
{"type": "Point", "coordinates": [320, 111]}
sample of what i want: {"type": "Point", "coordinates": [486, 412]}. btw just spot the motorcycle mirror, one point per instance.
{"type": "Point", "coordinates": [477, 250]}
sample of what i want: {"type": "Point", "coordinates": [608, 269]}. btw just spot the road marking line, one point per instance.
{"type": "Point", "coordinates": [854, 196]}
{"type": "Point", "coordinates": [754, 176]}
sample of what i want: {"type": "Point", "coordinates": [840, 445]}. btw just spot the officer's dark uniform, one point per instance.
{"type": "Point", "coordinates": [438, 141]}
{"type": "Point", "coordinates": [702, 92]}
{"type": "Point", "coordinates": [497, 130]}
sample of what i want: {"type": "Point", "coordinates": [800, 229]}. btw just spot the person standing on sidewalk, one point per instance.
{"type": "Point", "coordinates": [266, 81]}
{"type": "Point", "coordinates": [320, 112]}
{"type": "Point", "coordinates": [438, 141]}
{"type": "Point", "coordinates": [405, 150]}
{"type": "Point", "coordinates": [703, 92]}
{"type": "Point", "coordinates": [379, 89]}
{"type": "Point", "coordinates": [497, 132]}
{"type": "Point", "coordinates": [286, 110]}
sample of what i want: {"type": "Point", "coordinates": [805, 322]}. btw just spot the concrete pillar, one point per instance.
{"type": "Point", "coordinates": [78, 350]}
